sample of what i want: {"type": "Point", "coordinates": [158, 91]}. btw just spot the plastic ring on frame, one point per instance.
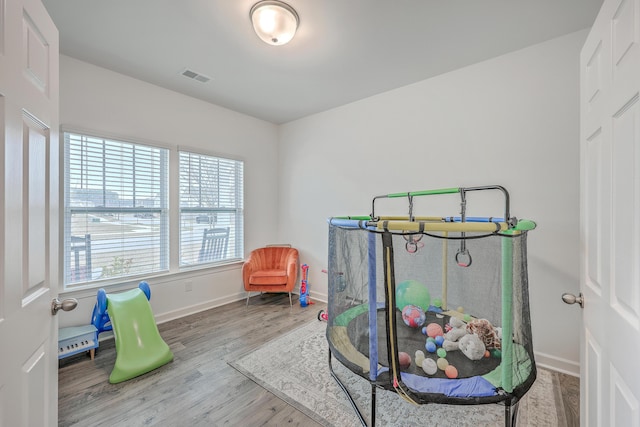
{"type": "Point", "coordinates": [411, 247]}
{"type": "Point", "coordinates": [460, 262]}
{"type": "Point", "coordinates": [413, 243]}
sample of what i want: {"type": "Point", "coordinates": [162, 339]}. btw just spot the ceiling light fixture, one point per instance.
{"type": "Point", "coordinates": [274, 22]}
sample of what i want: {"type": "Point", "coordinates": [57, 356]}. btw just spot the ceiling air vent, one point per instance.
{"type": "Point", "coordinates": [195, 76]}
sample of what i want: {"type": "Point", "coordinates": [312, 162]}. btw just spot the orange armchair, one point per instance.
{"type": "Point", "coordinates": [271, 269]}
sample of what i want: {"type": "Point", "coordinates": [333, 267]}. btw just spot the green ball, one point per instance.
{"type": "Point", "coordinates": [412, 292]}
{"type": "Point", "coordinates": [442, 352]}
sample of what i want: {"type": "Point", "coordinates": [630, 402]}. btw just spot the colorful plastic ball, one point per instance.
{"type": "Point", "coordinates": [451, 371]}
{"type": "Point", "coordinates": [460, 309]}
{"type": "Point", "coordinates": [433, 340]}
{"type": "Point", "coordinates": [442, 363]}
{"type": "Point", "coordinates": [413, 316]}
{"type": "Point", "coordinates": [496, 353]}
{"type": "Point", "coordinates": [439, 340]}
{"type": "Point", "coordinates": [429, 366]}
{"type": "Point", "coordinates": [433, 330]}
{"type": "Point", "coordinates": [412, 292]}
{"type": "Point", "coordinates": [424, 330]}
{"type": "Point", "coordinates": [430, 346]}
{"type": "Point", "coordinates": [442, 352]}
{"type": "Point", "coordinates": [437, 302]}
{"type": "Point", "coordinates": [487, 353]}
{"type": "Point", "coordinates": [466, 318]}
{"type": "Point", "coordinates": [404, 359]}
{"type": "Point", "coordinates": [419, 356]}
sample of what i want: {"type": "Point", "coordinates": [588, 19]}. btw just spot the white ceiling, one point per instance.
{"type": "Point", "coordinates": [345, 50]}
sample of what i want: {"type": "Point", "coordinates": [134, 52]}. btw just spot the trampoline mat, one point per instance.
{"type": "Point", "coordinates": [410, 340]}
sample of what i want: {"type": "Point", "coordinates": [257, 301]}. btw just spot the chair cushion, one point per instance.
{"type": "Point", "coordinates": [268, 277]}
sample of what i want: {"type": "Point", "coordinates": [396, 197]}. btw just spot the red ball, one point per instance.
{"type": "Point", "coordinates": [413, 316]}
{"type": "Point", "coordinates": [404, 359]}
{"type": "Point", "coordinates": [433, 330]}
{"type": "Point", "coordinates": [451, 371]}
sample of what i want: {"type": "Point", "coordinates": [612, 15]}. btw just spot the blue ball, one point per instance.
{"type": "Point", "coordinates": [430, 346]}
{"type": "Point", "coordinates": [439, 340]}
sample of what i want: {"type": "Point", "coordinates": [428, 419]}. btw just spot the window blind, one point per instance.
{"type": "Point", "coordinates": [211, 209]}
{"type": "Point", "coordinates": [115, 209]}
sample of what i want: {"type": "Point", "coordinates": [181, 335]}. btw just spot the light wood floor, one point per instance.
{"type": "Point", "coordinates": [199, 387]}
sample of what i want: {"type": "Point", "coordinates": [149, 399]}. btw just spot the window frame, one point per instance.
{"type": "Point", "coordinates": [171, 214]}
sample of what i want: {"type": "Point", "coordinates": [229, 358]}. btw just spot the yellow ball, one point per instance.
{"type": "Point", "coordinates": [442, 364]}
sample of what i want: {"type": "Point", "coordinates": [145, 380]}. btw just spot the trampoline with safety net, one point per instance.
{"type": "Point", "coordinates": [435, 309]}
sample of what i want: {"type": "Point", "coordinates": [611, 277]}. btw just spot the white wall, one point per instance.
{"type": "Point", "coordinates": [101, 101]}
{"type": "Point", "coordinates": [512, 121]}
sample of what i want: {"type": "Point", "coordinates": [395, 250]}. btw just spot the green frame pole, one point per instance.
{"type": "Point", "coordinates": [424, 192]}
{"type": "Point", "coordinates": [507, 314]}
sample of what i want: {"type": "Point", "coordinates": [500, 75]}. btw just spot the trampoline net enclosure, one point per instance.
{"type": "Point", "coordinates": [467, 275]}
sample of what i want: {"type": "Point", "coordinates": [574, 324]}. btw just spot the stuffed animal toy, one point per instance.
{"type": "Point", "coordinates": [489, 335]}
{"type": "Point", "coordinates": [472, 338]}
{"type": "Point", "coordinates": [472, 346]}
{"type": "Point", "coordinates": [457, 330]}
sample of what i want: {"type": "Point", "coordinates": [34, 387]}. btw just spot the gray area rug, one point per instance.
{"type": "Point", "coordinates": [295, 368]}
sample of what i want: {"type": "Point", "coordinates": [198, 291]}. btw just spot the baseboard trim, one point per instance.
{"type": "Point", "coordinates": [319, 297]}
{"type": "Point", "coordinates": [558, 364]}
{"type": "Point", "coordinates": [197, 308]}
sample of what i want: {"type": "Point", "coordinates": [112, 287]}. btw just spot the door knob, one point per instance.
{"type": "Point", "coordinates": [66, 305]}
{"type": "Point", "coordinates": [572, 299]}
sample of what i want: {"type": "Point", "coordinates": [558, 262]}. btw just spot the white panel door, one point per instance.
{"type": "Point", "coordinates": [29, 168]}
{"type": "Point", "coordinates": [610, 217]}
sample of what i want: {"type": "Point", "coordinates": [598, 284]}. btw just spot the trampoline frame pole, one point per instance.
{"type": "Point", "coordinates": [373, 404]}
{"type": "Point", "coordinates": [511, 413]}
{"type": "Point", "coordinates": [373, 308]}
{"type": "Point", "coordinates": [507, 314]}
{"type": "Point", "coordinates": [349, 397]}
{"type": "Point", "coordinates": [445, 273]}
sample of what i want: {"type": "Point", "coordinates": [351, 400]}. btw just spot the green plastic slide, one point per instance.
{"type": "Point", "coordinates": [139, 346]}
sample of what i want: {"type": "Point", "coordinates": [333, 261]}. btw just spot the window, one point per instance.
{"type": "Point", "coordinates": [211, 209]}
{"type": "Point", "coordinates": [116, 213]}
